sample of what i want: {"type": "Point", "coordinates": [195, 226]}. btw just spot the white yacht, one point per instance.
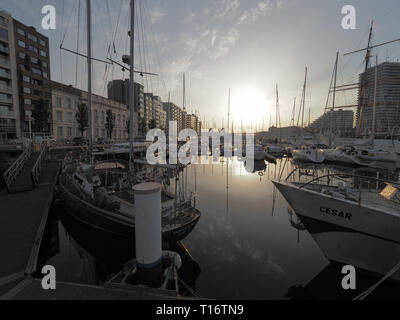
{"type": "Point", "coordinates": [309, 153]}
{"type": "Point", "coordinates": [354, 219]}
{"type": "Point", "coordinates": [348, 155]}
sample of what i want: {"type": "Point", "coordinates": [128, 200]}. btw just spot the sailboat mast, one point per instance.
{"type": "Point", "coordinates": [131, 89]}
{"type": "Point", "coordinates": [229, 106]}
{"type": "Point", "coordinates": [374, 109]}
{"type": "Point", "coordinates": [333, 100]}
{"type": "Point", "coordinates": [89, 62]}
{"type": "Point", "coordinates": [304, 99]}
{"type": "Point", "coordinates": [364, 80]}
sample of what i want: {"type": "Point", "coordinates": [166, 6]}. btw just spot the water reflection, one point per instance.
{"type": "Point", "coordinates": [80, 255]}
{"type": "Point", "coordinates": [245, 242]}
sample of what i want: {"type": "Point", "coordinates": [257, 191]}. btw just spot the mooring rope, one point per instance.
{"type": "Point", "coordinates": [366, 293]}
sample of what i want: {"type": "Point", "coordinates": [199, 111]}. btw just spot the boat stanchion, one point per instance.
{"type": "Point", "coordinates": [148, 233]}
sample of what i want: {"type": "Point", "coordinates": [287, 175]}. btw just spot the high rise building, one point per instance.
{"type": "Point", "coordinates": [342, 121]}
{"type": "Point", "coordinates": [387, 98]}
{"type": "Point", "coordinates": [10, 123]}
{"type": "Point", "coordinates": [31, 50]}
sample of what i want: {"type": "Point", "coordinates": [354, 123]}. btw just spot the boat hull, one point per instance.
{"type": "Point", "coordinates": [346, 232]}
{"type": "Point", "coordinates": [114, 223]}
{"type": "Point", "coordinates": [314, 156]}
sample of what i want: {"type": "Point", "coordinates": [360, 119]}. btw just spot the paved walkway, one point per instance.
{"type": "Point", "coordinates": [32, 289]}
{"type": "Point", "coordinates": [20, 217]}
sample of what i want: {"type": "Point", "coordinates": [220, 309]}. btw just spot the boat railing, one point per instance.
{"type": "Point", "coordinates": [359, 188]}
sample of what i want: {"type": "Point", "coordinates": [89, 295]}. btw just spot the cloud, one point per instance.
{"type": "Point", "coordinates": [189, 18]}
{"type": "Point", "coordinates": [223, 44]}
{"type": "Point", "coordinates": [227, 7]}
{"type": "Point", "coordinates": [262, 8]}
{"type": "Point", "coordinates": [156, 15]}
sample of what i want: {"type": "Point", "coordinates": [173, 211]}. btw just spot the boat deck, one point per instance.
{"type": "Point", "coordinates": [369, 198]}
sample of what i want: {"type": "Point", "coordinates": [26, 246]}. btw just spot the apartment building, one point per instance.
{"type": "Point", "coordinates": [65, 100]}
{"type": "Point", "coordinates": [10, 124]}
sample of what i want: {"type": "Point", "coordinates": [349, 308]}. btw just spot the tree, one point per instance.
{"type": "Point", "coordinates": [41, 115]}
{"type": "Point", "coordinates": [110, 123]}
{"type": "Point", "coordinates": [142, 126]}
{"type": "Point", "coordinates": [82, 117]}
{"type": "Point", "coordinates": [152, 124]}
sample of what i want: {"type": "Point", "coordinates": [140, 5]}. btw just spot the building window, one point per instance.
{"type": "Point", "coordinates": [36, 82]}
{"type": "Point", "coordinates": [27, 90]}
{"type": "Point", "coordinates": [43, 53]}
{"type": "Point", "coordinates": [5, 98]}
{"type": "Point", "coordinates": [33, 49]}
{"type": "Point", "coordinates": [69, 132]}
{"type": "Point", "coordinates": [58, 102]}
{"type": "Point", "coordinates": [26, 79]}
{"type": "Point", "coordinates": [21, 32]}
{"type": "Point", "coordinates": [42, 42]}
{"type": "Point", "coordinates": [102, 117]}
{"type": "Point", "coordinates": [60, 131]}
{"type": "Point", "coordinates": [22, 55]}
{"type": "Point", "coordinates": [27, 102]}
{"type": "Point", "coordinates": [44, 74]}
{"type": "Point", "coordinates": [96, 132]}
{"type": "Point", "coordinates": [103, 133]}
{"type": "Point", "coordinates": [32, 37]}
{"type": "Point", "coordinates": [4, 34]}
{"type": "Point", "coordinates": [59, 115]}
{"type": "Point", "coordinates": [96, 117]}
{"type": "Point", "coordinates": [69, 102]}
{"type": "Point", "coordinates": [44, 64]}
{"type": "Point", "coordinates": [21, 44]}
{"type": "Point", "coordinates": [36, 71]}
{"type": "Point", "coordinates": [35, 61]}
{"type": "Point", "coordinates": [69, 116]}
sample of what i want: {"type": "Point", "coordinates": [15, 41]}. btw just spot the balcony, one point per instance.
{"type": "Point", "coordinates": [4, 49]}
{"type": "Point", "coordinates": [5, 75]}
{"type": "Point", "coordinates": [5, 88]}
{"type": "Point", "coordinates": [4, 61]}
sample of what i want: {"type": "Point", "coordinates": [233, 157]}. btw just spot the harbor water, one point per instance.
{"type": "Point", "coordinates": [244, 246]}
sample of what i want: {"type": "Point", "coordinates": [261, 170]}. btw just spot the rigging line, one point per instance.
{"type": "Point", "coordinates": [77, 44]}
{"type": "Point", "coordinates": [157, 53]}
{"type": "Point", "coordinates": [68, 21]}
{"type": "Point", "coordinates": [139, 43]}
{"type": "Point", "coordinates": [143, 47]}
{"type": "Point", "coordinates": [61, 35]}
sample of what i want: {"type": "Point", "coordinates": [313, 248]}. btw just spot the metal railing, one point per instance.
{"type": "Point", "coordinates": [358, 188]}
{"type": "Point", "coordinates": [37, 168]}
{"type": "Point", "coordinates": [15, 169]}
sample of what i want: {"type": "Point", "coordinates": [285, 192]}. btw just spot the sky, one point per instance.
{"type": "Point", "coordinates": [247, 46]}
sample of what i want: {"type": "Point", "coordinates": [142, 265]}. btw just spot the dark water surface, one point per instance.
{"type": "Point", "coordinates": [243, 247]}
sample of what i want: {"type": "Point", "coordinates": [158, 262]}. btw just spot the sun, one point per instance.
{"type": "Point", "coordinates": [250, 107]}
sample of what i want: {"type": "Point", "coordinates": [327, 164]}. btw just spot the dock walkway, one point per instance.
{"type": "Point", "coordinates": [30, 288]}
{"type": "Point", "coordinates": [21, 214]}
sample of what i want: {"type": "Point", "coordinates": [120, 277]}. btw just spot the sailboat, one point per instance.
{"type": "Point", "coordinates": [100, 194]}
{"type": "Point", "coordinates": [354, 219]}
